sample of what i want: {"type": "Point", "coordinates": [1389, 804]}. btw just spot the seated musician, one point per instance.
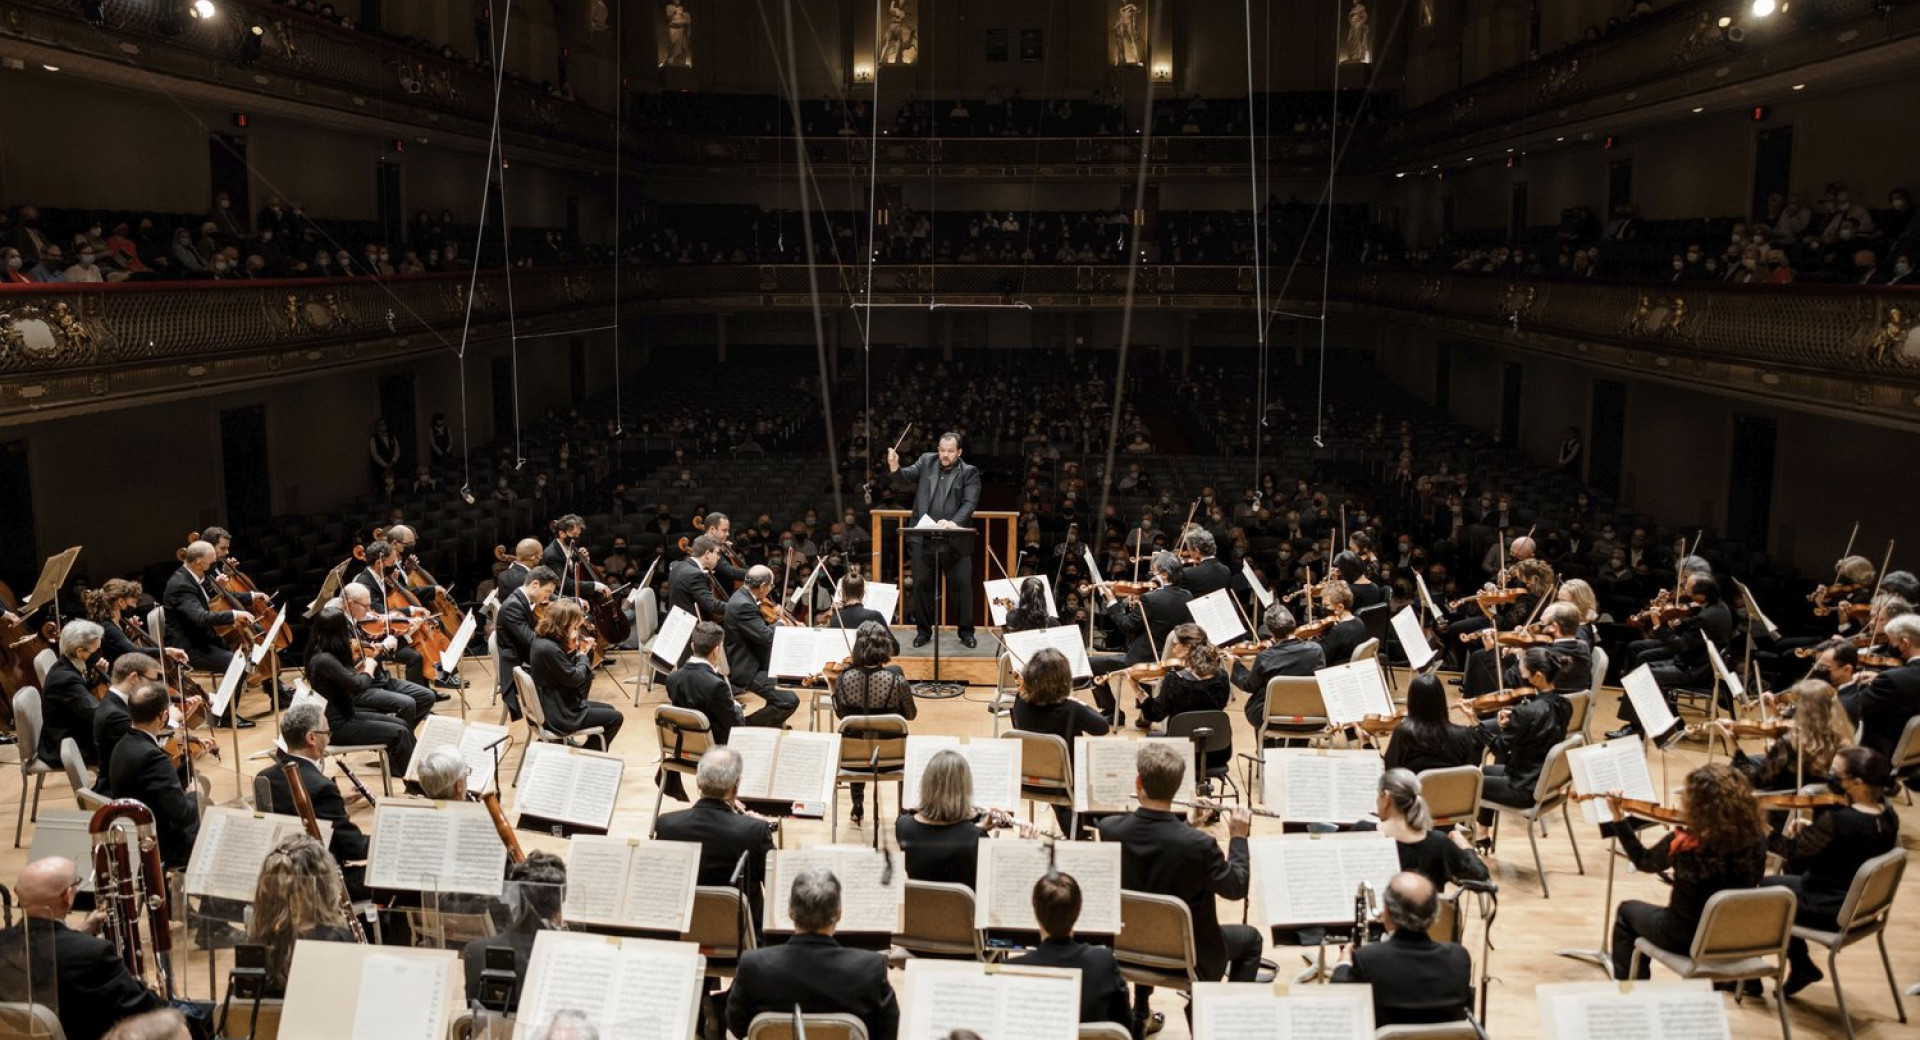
{"type": "Point", "coordinates": [297, 897]}
{"type": "Point", "coordinates": [1347, 632]}
{"type": "Point", "coordinates": [562, 668]}
{"type": "Point", "coordinates": [692, 583]}
{"type": "Point", "coordinates": [191, 622]}
{"type": "Point", "coordinates": [405, 544]}
{"type": "Point", "coordinates": [109, 606]}
{"type": "Point", "coordinates": [1722, 845]}
{"type": "Point", "coordinates": [1818, 729]}
{"type": "Point", "coordinates": [1837, 663]}
{"type": "Point", "coordinates": [380, 578]}
{"type": "Point", "coordinates": [941, 836]}
{"type": "Point", "coordinates": [1415, 978]}
{"type": "Point", "coordinates": [1426, 738]}
{"type": "Point", "coordinates": [564, 552]}
{"type": "Point", "coordinates": [536, 889]}
{"type": "Point", "coordinates": [1678, 651]}
{"type": "Point", "coordinates": [1029, 612]}
{"type": "Point", "coordinates": [1162, 853]}
{"type": "Point", "coordinates": [698, 684]}
{"type": "Point", "coordinates": [66, 700]}
{"type": "Point", "coordinates": [513, 630]}
{"type": "Point", "coordinates": [1823, 854]}
{"type": "Point", "coordinates": [442, 774]}
{"type": "Point", "coordinates": [1562, 624]}
{"type": "Point", "coordinates": [403, 699]}
{"type": "Point", "coordinates": [1893, 696]}
{"type": "Point", "coordinates": [1439, 856]}
{"type": "Point", "coordinates": [1197, 683]}
{"type": "Point", "coordinates": [1348, 567]}
{"type": "Point", "coordinates": [723, 828]}
{"type": "Point", "coordinates": [1521, 736]}
{"type": "Point", "coordinates": [335, 674]}
{"type": "Point", "coordinates": [1283, 655]}
{"type": "Point", "coordinates": [526, 556]}
{"type": "Point", "coordinates": [868, 687]}
{"type": "Point", "coordinates": [720, 528]}
{"type": "Point", "coordinates": [110, 719]}
{"type": "Point", "coordinates": [1143, 622]}
{"type": "Point", "coordinates": [750, 650]}
{"type": "Point", "coordinates": [91, 988]}
{"type": "Point", "coordinates": [853, 611]}
{"type": "Point", "coordinates": [1533, 576]}
{"type": "Point", "coordinates": [142, 770]}
{"type": "Point", "coordinates": [1206, 574]}
{"type": "Point", "coordinates": [304, 729]}
{"type": "Point", "coordinates": [1056, 906]}
{"type": "Point", "coordinates": [812, 971]}
{"type": "Point", "coordinates": [1045, 705]}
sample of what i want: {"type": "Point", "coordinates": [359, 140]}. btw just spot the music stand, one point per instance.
{"type": "Point", "coordinates": [53, 574]}
{"type": "Point", "coordinates": [938, 688]}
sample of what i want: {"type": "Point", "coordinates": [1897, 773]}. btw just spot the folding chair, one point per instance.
{"type": "Point", "coordinates": [1046, 773]}
{"type": "Point", "coordinates": [1742, 935]}
{"type": "Point", "coordinates": [26, 726]}
{"type": "Point", "coordinates": [684, 736]}
{"type": "Point", "coordinates": [1869, 900]}
{"type": "Point", "coordinates": [1549, 793]}
{"type": "Point", "coordinates": [939, 922]}
{"type": "Point", "coordinates": [873, 750]}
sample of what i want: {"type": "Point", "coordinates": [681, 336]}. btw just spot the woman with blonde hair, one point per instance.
{"type": "Point", "coordinates": [1577, 593]}
{"type": "Point", "coordinates": [297, 897]}
{"type": "Point", "coordinates": [941, 835]}
{"type": "Point", "coordinates": [1819, 730]}
{"type": "Point", "coordinates": [562, 667]}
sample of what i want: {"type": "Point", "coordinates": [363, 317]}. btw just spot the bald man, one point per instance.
{"type": "Point", "coordinates": [1523, 548]}
{"type": "Point", "coordinates": [750, 649]}
{"type": "Point", "coordinates": [92, 987]}
{"type": "Point", "coordinates": [1415, 979]}
{"type": "Point", "coordinates": [526, 556]}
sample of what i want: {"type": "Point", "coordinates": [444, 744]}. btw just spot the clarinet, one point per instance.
{"type": "Point", "coordinates": [1364, 903]}
{"type": "Point", "coordinates": [347, 772]}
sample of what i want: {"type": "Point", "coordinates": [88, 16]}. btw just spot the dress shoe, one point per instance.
{"type": "Point", "coordinates": [228, 722]}
{"type": "Point", "coordinates": [1628, 730]}
{"type": "Point", "coordinates": [968, 641]}
{"type": "Point", "coordinates": [1799, 979]}
{"type": "Point", "coordinates": [922, 639]}
{"type": "Point", "coordinates": [449, 681]}
{"type": "Point", "coordinates": [441, 698]}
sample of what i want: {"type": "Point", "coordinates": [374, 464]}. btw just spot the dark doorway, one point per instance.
{"type": "Point", "coordinates": [386, 198]}
{"type": "Point", "coordinates": [19, 550]}
{"type": "Point", "coordinates": [573, 218]}
{"type": "Point", "coordinates": [1510, 377]}
{"type": "Point", "coordinates": [1750, 480]}
{"type": "Point", "coordinates": [1517, 210]}
{"type": "Point", "coordinates": [227, 164]}
{"type": "Point", "coordinates": [502, 397]}
{"type": "Point", "coordinates": [243, 462]}
{"type": "Point", "coordinates": [1442, 374]}
{"type": "Point", "coordinates": [1772, 166]}
{"type": "Point", "coordinates": [1446, 215]}
{"type": "Point", "coordinates": [397, 407]}
{"type": "Point", "coordinates": [1607, 437]}
{"type": "Point", "coordinates": [577, 369]}
{"type": "Point", "coordinates": [1619, 183]}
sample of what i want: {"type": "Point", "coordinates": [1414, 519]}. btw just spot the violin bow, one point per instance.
{"type": "Point", "coordinates": [1848, 551]}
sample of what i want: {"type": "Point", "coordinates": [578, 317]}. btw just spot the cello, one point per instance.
{"type": "Point", "coordinates": [425, 635]}
{"type": "Point", "coordinates": [241, 637]}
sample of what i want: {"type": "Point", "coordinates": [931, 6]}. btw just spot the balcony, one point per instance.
{"type": "Point", "coordinates": [304, 63]}
{"type": "Point", "coordinates": [984, 157]}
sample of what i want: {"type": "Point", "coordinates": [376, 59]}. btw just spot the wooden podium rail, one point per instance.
{"type": "Point", "coordinates": [889, 561]}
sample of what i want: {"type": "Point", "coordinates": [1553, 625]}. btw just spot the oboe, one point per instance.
{"type": "Point", "coordinates": [1364, 904]}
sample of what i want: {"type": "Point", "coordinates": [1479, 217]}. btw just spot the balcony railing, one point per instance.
{"type": "Point", "coordinates": [1063, 156]}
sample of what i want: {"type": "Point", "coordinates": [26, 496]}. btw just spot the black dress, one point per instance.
{"type": "Point", "coordinates": [1425, 748]}
{"type": "Point", "coordinates": [947, 852]}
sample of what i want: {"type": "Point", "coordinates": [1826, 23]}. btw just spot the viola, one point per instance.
{"type": "Point", "coordinates": [1532, 635]}
{"type": "Point", "coordinates": [1316, 628]}
{"type": "Point", "coordinates": [1823, 594]}
{"type": "Point", "coordinates": [1771, 729]}
{"type": "Point", "coordinates": [1123, 589]}
{"type": "Point", "coordinates": [178, 746]}
{"type": "Point", "coordinates": [1879, 661]}
{"type": "Point", "coordinates": [1649, 618]}
{"type": "Point", "coordinates": [1381, 725]}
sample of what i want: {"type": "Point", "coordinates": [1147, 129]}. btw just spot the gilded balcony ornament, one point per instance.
{"type": "Point", "coordinates": [44, 335]}
{"type": "Point", "coordinates": [411, 77]}
{"type": "Point", "coordinates": [575, 288]}
{"type": "Point", "coordinates": [337, 312]}
{"type": "Point", "coordinates": [1517, 303]}
{"type": "Point", "coordinates": [1560, 79]}
{"type": "Point", "coordinates": [291, 316]}
{"type": "Point", "coordinates": [1640, 322]}
{"type": "Point", "coordinates": [1674, 325]}
{"type": "Point", "coordinates": [1889, 343]}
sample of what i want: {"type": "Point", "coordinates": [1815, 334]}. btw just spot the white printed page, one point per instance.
{"type": "Point", "coordinates": [1009, 867]}
{"type": "Point", "coordinates": [802, 652]}
{"type": "Point", "coordinates": [1068, 639]}
{"type": "Point", "coordinates": [1617, 765]}
{"type": "Point", "coordinates": [1312, 879]}
{"type": "Point", "coordinates": [1353, 691]}
{"type": "Point", "coordinates": [426, 846]}
{"type": "Point", "coordinates": [631, 883]}
{"type": "Point", "coordinates": [758, 746]}
{"type": "Point", "coordinates": [1260, 592]}
{"type": "Point", "coordinates": [347, 991]}
{"type": "Point", "coordinates": [1643, 692]}
{"type": "Point", "coordinates": [457, 648]}
{"type": "Point", "coordinates": [626, 989]}
{"type": "Point", "coordinates": [570, 785]}
{"type": "Point", "coordinates": [232, 844]}
{"type": "Point", "coordinates": [1727, 675]}
{"type": "Point", "coordinates": [1662, 1010]}
{"type": "Point", "coordinates": [1245, 1011]}
{"type": "Point", "coordinates": [1104, 769]}
{"type": "Point", "coordinates": [882, 597]}
{"type": "Point", "coordinates": [1406, 625]}
{"type": "Point", "coordinates": [401, 997]}
{"type": "Point", "coordinates": [921, 747]}
{"type": "Point", "coordinates": [1015, 1003]}
{"type": "Point", "coordinates": [671, 640]}
{"type": "Point", "coordinates": [596, 872]}
{"type": "Point", "coordinates": [872, 889]}
{"type": "Point", "coordinates": [805, 768]}
{"type": "Point", "coordinates": [1310, 785]}
{"type": "Point", "coordinates": [1003, 594]}
{"type": "Point", "coordinates": [1216, 613]}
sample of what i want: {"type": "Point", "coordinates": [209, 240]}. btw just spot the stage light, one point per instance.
{"type": "Point", "coordinates": [1763, 8]}
{"type": "Point", "coordinates": [250, 43]}
{"type": "Point", "coordinates": [1799, 86]}
{"type": "Point", "coordinates": [1725, 20]}
{"type": "Point", "coordinates": [1698, 110]}
{"type": "Point", "coordinates": [203, 9]}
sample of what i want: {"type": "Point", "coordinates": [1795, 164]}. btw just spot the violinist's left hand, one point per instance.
{"type": "Point", "coordinates": [1795, 825]}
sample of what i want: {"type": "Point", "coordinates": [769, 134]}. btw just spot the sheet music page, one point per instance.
{"type": "Point", "coordinates": [429, 846]}
{"type": "Point", "coordinates": [628, 989]}
{"type": "Point", "coordinates": [1354, 690]}
{"type": "Point", "coordinates": [1664, 1010]}
{"type": "Point", "coordinates": [477, 745]}
{"type": "Point", "coordinates": [1261, 592]}
{"type": "Point", "coordinates": [1104, 769]}
{"type": "Point", "coordinates": [866, 905]}
{"type": "Point", "coordinates": [401, 997]}
{"type": "Point", "coordinates": [1307, 879]}
{"type": "Point", "coordinates": [435, 731]}
{"type": "Point", "coordinates": [229, 684]}
{"type": "Point", "coordinates": [1734, 685]}
{"type": "Point", "coordinates": [1309, 785]}
{"type": "Point", "coordinates": [571, 785]}
{"type": "Point", "coordinates": [1068, 639]}
{"type": "Point", "coordinates": [805, 768]}
{"type": "Point", "coordinates": [1426, 598]}
{"type": "Point", "coordinates": [882, 597]}
{"type": "Point", "coordinates": [920, 750]}
{"type": "Point", "coordinates": [757, 746]}
{"type": "Point", "coordinates": [1643, 692]}
{"type": "Point", "coordinates": [1755, 614]}
{"type": "Point", "coordinates": [1015, 1003]}
{"type": "Point", "coordinates": [671, 640]}
{"type": "Point", "coordinates": [995, 765]}
{"type": "Point", "coordinates": [1009, 867]}
{"type": "Point", "coordinates": [450, 660]}
{"type": "Point", "coordinates": [1094, 573]}
{"type": "Point", "coordinates": [659, 885]}
{"type": "Point", "coordinates": [265, 643]}
{"type": "Point", "coordinates": [1617, 765]}
{"type": "Point", "coordinates": [232, 845]}
{"type": "Point", "coordinates": [596, 870]}
{"type": "Point", "coordinates": [1216, 613]}
{"type": "Point", "coordinates": [1406, 625]}
{"type": "Point", "coordinates": [1240, 1010]}
{"type": "Point", "coordinates": [800, 652]}
{"type": "Point", "coordinates": [1009, 589]}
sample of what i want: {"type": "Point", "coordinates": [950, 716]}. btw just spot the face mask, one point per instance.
{"type": "Point", "coordinates": [1825, 675]}
{"type": "Point", "coordinates": [13, 263]}
{"type": "Point", "coordinates": [224, 204]}
{"type": "Point", "coordinates": [86, 258]}
{"type": "Point", "coordinates": [1836, 784]}
{"type": "Point", "coordinates": [323, 261]}
{"type": "Point", "coordinates": [1902, 268]}
{"type": "Point", "coordinates": [1679, 265]}
{"type": "Point", "coordinates": [1693, 258]}
{"type": "Point", "coordinates": [1846, 232]}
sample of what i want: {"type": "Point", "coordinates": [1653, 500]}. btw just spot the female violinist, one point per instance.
{"type": "Point", "coordinates": [1818, 728]}
{"type": "Point", "coordinates": [1426, 738]}
{"type": "Point", "coordinates": [1030, 611]}
{"type": "Point", "coordinates": [1443, 856]}
{"type": "Point", "coordinates": [1350, 568]}
{"type": "Point", "coordinates": [1722, 845]}
{"type": "Point", "coordinates": [339, 674]}
{"type": "Point", "coordinates": [1045, 705]}
{"type": "Point", "coordinates": [1196, 680]}
{"type": "Point", "coordinates": [562, 668]}
{"type": "Point", "coordinates": [868, 687]}
{"type": "Point", "coordinates": [1521, 736]}
{"type": "Point", "coordinates": [1824, 854]}
{"type": "Point", "coordinates": [1339, 631]}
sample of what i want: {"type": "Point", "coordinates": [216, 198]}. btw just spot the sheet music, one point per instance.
{"type": "Point", "coordinates": [1009, 867]}
{"type": "Point", "coordinates": [805, 767]}
{"type": "Point", "coordinates": [801, 652]}
{"type": "Point", "coordinates": [1260, 592]}
{"type": "Point", "coordinates": [1756, 616]}
{"type": "Point", "coordinates": [468, 738]}
{"type": "Point", "coordinates": [1094, 573]}
{"type": "Point", "coordinates": [926, 523]}
{"type": "Point", "coordinates": [229, 685]}
{"type": "Point", "coordinates": [1104, 769]}
{"type": "Point", "coordinates": [1665, 1010]}
{"type": "Point", "coordinates": [1643, 692]}
{"type": "Point", "coordinates": [570, 785]}
{"type": "Point", "coordinates": [757, 746]}
{"type": "Point", "coordinates": [670, 642]}
{"type": "Point", "coordinates": [1216, 613]}
{"type": "Point", "coordinates": [630, 883]}
{"type": "Point", "coordinates": [882, 597]}
{"type": "Point", "coordinates": [1308, 879]}
{"type": "Point", "coordinates": [1406, 625]}
{"type": "Point", "coordinates": [1420, 583]}
{"type": "Point", "coordinates": [1009, 589]}
{"type": "Point", "coordinates": [1243, 1010]}
{"type": "Point", "coordinates": [1309, 785]}
{"type": "Point", "coordinates": [1617, 765]}
{"type": "Point", "coordinates": [427, 846]}
{"type": "Point", "coordinates": [994, 765]}
{"type": "Point", "coordinates": [232, 844]}
{"type": "Point", "coordinates": [1068, 639]}
{"type": "Point", "coordinates": [866, 904]}
{"type": "Point", "coordinates": [1734, 685]}
{"type": "Point", "coordinates": [628, 989]}
{"type": "Point", "coordinates": [265, 645]}
{"type": "Point", "coordinates": [450, 660]}
{"type": "Point", "coordinates": [1354, 690]}
{"type": "Point", "coordinates": [1012, 1003]}
{"type": "Point", "coordinates": [401, 997]}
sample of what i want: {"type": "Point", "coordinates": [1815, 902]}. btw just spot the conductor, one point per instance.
{"type": "Point", "coordinates": [948, 493]}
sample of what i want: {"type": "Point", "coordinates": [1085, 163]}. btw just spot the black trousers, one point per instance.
{"type": "Point", "coordinates": [1657, 924]}
{"type": "Point", "coordinates": [370, 727]}
{"type": "Point", "coordinates": [934, 558]}
{"type": "Point", "coordinates": [1497, 788]}
{"type": "Point", "coordinates": [1799, 960]}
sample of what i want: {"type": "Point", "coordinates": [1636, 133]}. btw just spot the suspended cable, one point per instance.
{"type": "Point", "coordinates": [1259, 297]}
{"type": "Point", "coordinates": [498, 45]}
{"type": "Point", "coordinates": [619, 104]}
{"type": "Point", "coordinates": [873, 247]}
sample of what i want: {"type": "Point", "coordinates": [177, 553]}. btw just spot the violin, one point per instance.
{"type": "Point", "coordinates": [1879, 661]}
{"type": "Point", "coordinates": [1122, 589]}
{"type": "Point", "coordinates": [1535, 634]}
{"type": "Point", "coordinates": [1249, 650]}
{"type": "Point", "coordinates": [1316, 628]}
{"type": "Point", "coordinates": [1769, 729]}
{"type": "Point", "coordinates": [1381, 725]}
{"type": "Point", "coordinates": [179, 745]}
{"type": "Point", "coordinates": [1145, 671]}
{"type": "Point", "coordinates": [1822, 594]}
{"type": "Point", "coordinates": [1488, 598]}
{"type": "Point", "coordinates": [1488, 703]}
{"type": "Point", "coordinates": [1649, 618]}
{"type": "Point", "coordinates": [1797, 802]}
{"type": "Point", "coordinates": [1646, 810]}
{"type": "Point", "coordinates": [726, 548]}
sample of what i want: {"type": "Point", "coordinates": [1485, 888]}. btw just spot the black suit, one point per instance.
{"type": "Point", "coordinates": [409, 659]}
{"type": "Point", "coordinates": [855, 615]}
{"type": "Point", "coordinates": [1103, 993]}
{"type": "Point", "coordinates": [142, 771]}
{"type": "Point", "coordinates": [943, 495]}
{"type": "Point", "coordinates": [191, 621]}
{"type": "Point", "coordinates": [1209, 575]}
{"type": "Point", "coordinates": [565, 684]}
{"type": "Point", "coordinates": [513, 634]}
{"type": "Point", "coordinates": [723, 836]}
{"type": "Point", "coordinates": [560, 559]}
{"type": "Point", "coordinates": [1342, 639]}
{"type": "Point", "coordinates": [1294, 657]}
{"type": "Point", "coordinates": [1164, 609]}
{"type": "Point", "coordinates": [115, 644]}
{"type": "Point", "coordinates": [348, 842]}
{"type": "Point", "coordinates": [110, 723]}
{"type": "Point", "coordinates": [91, 983]}
{"type": "Point", "coordinates": [691, 588]}
{"type": "Point", "coordinates": [1415, 979]}
{"type": "Point", "coordinates": [66, 708]}
{"type": "Point", "coordinates": [1887, 703]}
{"type": "Point", "coordinates": [1162, 854]}
{"type": "Point", "coordinates": [749, 652]}
{"type": "Point", "coordinates": [822, 977]}
{"type": "Point", "coordinates": [512, 576]}
{"type": "Point", "coordinates": [698, 686]}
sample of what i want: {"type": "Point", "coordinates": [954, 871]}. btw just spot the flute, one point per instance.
{"type": "Point", "coordinates": [1208, 803]}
